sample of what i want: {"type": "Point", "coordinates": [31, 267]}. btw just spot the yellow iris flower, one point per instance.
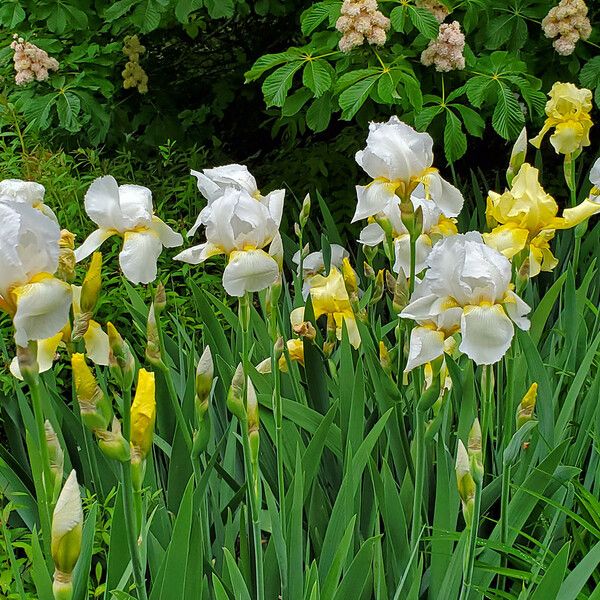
{"type": "Point", "coordinates": [568, 112]}
{"type": "Point", "coordinates": [330, 297]}
{"type": "Point", "coordinates": [525, 218]}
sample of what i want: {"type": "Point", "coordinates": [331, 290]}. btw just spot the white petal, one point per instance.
{"type": "Point", "coordinates": [423, 308]}
{"type": "Point", "coordinates": [102, 203]}
{"type": "Point", "coordinates": [92, 243]}
{"type": "Point", "coordinates": [46, 351]}
{"type": "Point", "coordinates": [197, 223]}
{"type": "Point", "coordinates": [249, 271]}
{"type": "Point", "coordinates": [422, 250]}
{"type": "Point", "coordinates": [372, 235]}
{"type": "Point", "coordinates": [197, 254]}
{"type": "Point", "coordinates": [447, 198]}
{"type": "Point", "coordinates": [372, 199]}
{"type": "Point", "coordinates": [18, 190]}
{"type": "Point", "coordinates": [42, 309]}
{"type": "Point", "coordinates": [234, 175]}
{"type": "Point", "coordinates": [68, 512]}
{"type": "Point", "coordinates": [395, 151]}
{"type": "Point", "coordinates": [168, 237]}
{"type": "Point", "coordinates": [517, 310]}
{"type": "Point", "coordinates": [208, 188]}
{"type": "Point", "coordinates": [426, 344]}
{"type": "Point", "coordinates": [28, 244]}
{"type": "Point", "coordinates": [96, 344]}
{"type": "Point", "coordinates": [136, 205]}
{"type": "Point", "coordinates": [486, 333]}
{"type": "Point", "coordinates": [139, 255]}
{"type": "Point", "coordinates": [274, 201]}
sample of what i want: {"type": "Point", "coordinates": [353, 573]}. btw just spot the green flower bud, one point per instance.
{"type": "Point", "coordinates": [235, 397]}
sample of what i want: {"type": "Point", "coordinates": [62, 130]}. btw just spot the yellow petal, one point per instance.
{"type": "Point", "coordinates": [507, 239]}
{"type": "Point", "coordinates": [143, 413]}
{"type": "Point", "coordinates": [578, 214]}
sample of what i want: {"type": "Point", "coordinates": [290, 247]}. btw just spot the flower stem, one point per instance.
{"type": "Point", "coordinates": [572, 183]}
{"type": "Point", "coordinates": [45, 500]}
{"type": "Point", "coordinates": [419, 441]}
{"type": "Point", "coordinates": [278, 413]}
{"type": "Point", "coordinates": [487, 392]}
{"type": "Point", "coordinates": [168, 376]}
{"type": "Point", "coordinates": [128, 503]}
{"type": "Point", "coordinates": [252, 475]}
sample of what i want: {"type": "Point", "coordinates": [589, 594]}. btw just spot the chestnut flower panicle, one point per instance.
{"type": "Point", "coordinates": [446, 52]}
{"type": "Point", "coordinates": [567, 23]}
{"type": "Point", "coordinates": [360, 20]}
{"type": "Point", "coordinates": [31, 63]}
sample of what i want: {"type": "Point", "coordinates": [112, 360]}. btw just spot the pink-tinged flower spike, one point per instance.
{"type": "Point", "coordinates": [241, 227]}
{"type": "Point", "coordinates": [37, 302]}
{"type": "Point", "coordinates": [567, 23]}
{"type": "Point", "coordinates": [361, 20]}
{"type": "Point", "coordinates": [466, 290]}
{"type": "Point", "coordinates": [399, 159]}
{"type": "Point", "coordinates": [446, 52]}
{"type": "Point", "coordinates": [126, 210]}
{"type": "Point", "coordinates": [31, 63]}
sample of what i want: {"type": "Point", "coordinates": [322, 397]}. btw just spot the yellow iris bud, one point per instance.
{"type": "Point", "coordinates": [95, 407]}
{"type": "Point", "coordinates": [92, 284]}
{"type": "Point", "coordinates": [143, 413]}
{"type": "Point", "coordinates": [568, 112]}
{"type": "Point", "coordinates": [466, 484]}
{"type": "Point", "coordinates": [527, 406]}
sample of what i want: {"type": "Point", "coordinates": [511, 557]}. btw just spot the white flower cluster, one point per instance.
{"type": "Point", "coordinates": [568, 23]}
{"type": "Point", "coordinates": [446, 52]}
{"type": "Point", "coordinates": [361, 20]}
{"type": "Point", "coordinates": [31, 63]}
{"type": "Point", "coordinates": [436, 8]}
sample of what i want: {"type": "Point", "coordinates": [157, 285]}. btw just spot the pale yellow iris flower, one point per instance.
{"type": "Point", "coordinates": [568, 113]}
{"type": "Point", "coordinates": [525, 218]}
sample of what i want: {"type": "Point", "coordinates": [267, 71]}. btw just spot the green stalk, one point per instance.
{"type": "Point", "coordinates": [572, 184]}
{"type": "Point", "coordinates": [486, 409]}
{"type": "Point", "coordinates": [417, 522]}
{"type": "Point", "coordinates": [472, 544]}
{"type": "Point", "coordinates": [128, 504]}
{"type": "Point", "coordinates": [45, 501]}
{"type": "Point", "coordinates": [203, 512]}
{"type": "Point", "coordinates": [168, 376]}
{"type": "Point", "coordinates": [278, 413]}
{"type": "Point", "coordinates": [251, 476]}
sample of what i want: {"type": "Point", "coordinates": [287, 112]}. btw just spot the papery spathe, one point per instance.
{"type": "Point", "coordinates": [126, 210]}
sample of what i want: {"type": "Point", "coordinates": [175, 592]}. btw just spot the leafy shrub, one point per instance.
{"type": "Point", "coordinates": [509, 63]}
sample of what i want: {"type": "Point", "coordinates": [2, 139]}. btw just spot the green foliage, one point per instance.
{"type": "Point", "coordinates": [507, 58]}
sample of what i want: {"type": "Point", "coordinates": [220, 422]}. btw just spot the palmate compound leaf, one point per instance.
{"type": "Point", "coordinates": [455, 140]}
{"type": "Point", "coordinates": [317, 76]}
{"type": "Point", "coordinates": [277, 85]}
{"type": "Point", "coordinates": [318, 114]}
{"type": "Point", "coordinates": [508, 119]}
{"type": "Point", "coordinates": [352, 98]}
{"type": "Point", "coordinates": [313, 16]}
{"type": "Point", "coordinates": [424, 21]}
